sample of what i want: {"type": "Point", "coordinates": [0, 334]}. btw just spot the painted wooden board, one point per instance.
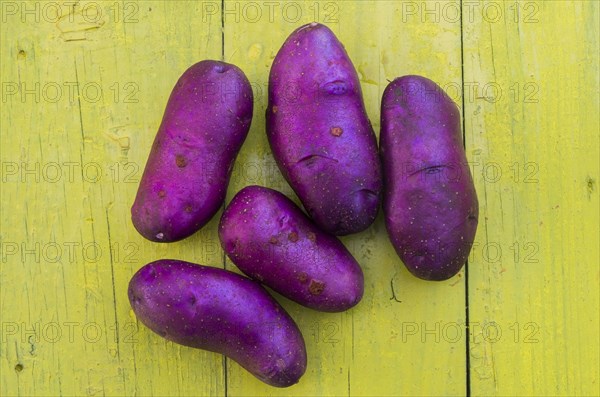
{"type": "Point", "coordinates": [83, 91]}
{"type": "Point", "coordinates": [374, 348]}
{"type": "Point", "coordinates": [92, 85]}
{"type": "Point", "coordinates": [532, 122]}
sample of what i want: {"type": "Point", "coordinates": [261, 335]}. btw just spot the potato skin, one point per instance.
{"type": "Point", "coordinates": [206, 120]}
{"type": "Point", "coordinates": [319, 132]}
{"type": "Point", "coordinates": [220, 311]}
{"type": "Point", "coordinates": [429, 202]}
{"type": "Point", "coordinates": [271, 240]}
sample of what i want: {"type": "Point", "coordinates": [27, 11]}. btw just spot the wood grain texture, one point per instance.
{"type": "Point", "coordinates": [369, 350]}
{"type": "Point", "coordinates": [83, 92]}
{"type": "Point", "coordinates": [533, 141]}
{"type": "Point", "coordinates": [71, 162]}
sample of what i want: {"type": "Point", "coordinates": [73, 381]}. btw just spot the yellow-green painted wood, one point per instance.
{"type": "Point", "coordinates": [373, 331]}
{"type": "Point", "coordinates": [533, 140]}
{"type": "Point", "coordinates": [83, 91]}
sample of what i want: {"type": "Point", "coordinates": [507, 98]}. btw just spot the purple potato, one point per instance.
{"type": "Point", "coordinates": [429, 201]}
{"type": "Point", "coordinates": [185, 180]}
{"type": "Point", "coordinates": [319, 132]}
{"type": "Point", "coordinates": [220, 311]}
{"type": "Point", "coordinates": [271, 240]}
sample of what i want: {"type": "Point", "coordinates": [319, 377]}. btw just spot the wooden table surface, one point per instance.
{"type": "Point", "coordinates": [84, 85]}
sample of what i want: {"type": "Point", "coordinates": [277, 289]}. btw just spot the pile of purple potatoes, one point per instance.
{"type": "Point", "coordinates": [326, 149]}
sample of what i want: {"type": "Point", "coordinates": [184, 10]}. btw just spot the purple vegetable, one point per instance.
{"type": "Point", "coordinates": [429, 202]}
{"type": "Point", "coordinates": [220, 311]}
{"type": "Point", "coordinates": [319, 131]}
{"type": "Point", "coordinates": [271, 240]}
{"type": "Point", "coordinates": [206, 121]}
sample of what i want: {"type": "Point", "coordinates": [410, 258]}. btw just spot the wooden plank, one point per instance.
{"type": "Point", "coordinates": [381, 347]}
{"type": "Point", "coordinates": [533, 138]}
{"type": "Point", "coordinates": [71, 161]}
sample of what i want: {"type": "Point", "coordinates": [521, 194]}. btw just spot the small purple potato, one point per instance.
{"type": "Point", "coordinates": [319, 132]}
{"type": "Point", "coordinates": [185, 180]}
{"type": "Point", "coordinates": [271, 240]}
{"type": "Point", "coordinates": [220, 311]}
{"type": "Point", "coordinates": [429, 202]}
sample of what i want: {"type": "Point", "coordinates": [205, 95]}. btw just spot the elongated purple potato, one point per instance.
{"type": "Point", "coordinates": [430, 204]}
{"type": "Point", "coordinates": [318, 129]}
{"type": "Point", "coordinates": [220, 311]}
{"type": "Point", "coordinates": [271, 240]}
{"type": "Point", "coordinates": [185, 180]}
